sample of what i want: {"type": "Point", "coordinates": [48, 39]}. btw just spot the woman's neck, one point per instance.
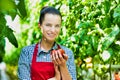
{"type": "Point", "coordinates": [46, 45]}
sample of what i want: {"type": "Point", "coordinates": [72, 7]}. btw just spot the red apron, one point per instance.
{"type": "Point", "coordinates": [41, 70]}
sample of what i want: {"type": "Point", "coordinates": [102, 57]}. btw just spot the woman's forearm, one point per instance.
{"type": "Point", "coordinates": [65, 73]}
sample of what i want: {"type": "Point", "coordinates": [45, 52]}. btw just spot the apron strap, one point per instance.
{"type": "Point", "coordinates": [58, 46]}
{"type": "Point", "coordinates": [35, 53]}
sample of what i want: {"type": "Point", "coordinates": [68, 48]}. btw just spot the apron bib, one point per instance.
{"type": "Point", "coordinates": [41, 70]}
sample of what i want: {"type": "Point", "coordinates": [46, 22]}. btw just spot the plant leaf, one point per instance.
{"type": "Point", "coordinates": [108, 40]}
{"type": "Point", "coordinates": [21, 8]}
{"type": "Point", "coordinates": [11, 36]}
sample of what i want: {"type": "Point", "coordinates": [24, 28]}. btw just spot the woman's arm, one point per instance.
{"type": "Point", "coordinates": [60, 60]}
{"type": "Point", "coordinates": [64, 69]}
{"type": "Point", "coordinates": [24, 66]}
{"type": "Point", "coordinates": [71, 65]}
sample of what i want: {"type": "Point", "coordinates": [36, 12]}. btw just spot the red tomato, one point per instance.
{"type": "Point", "coordinates": [60, 50]}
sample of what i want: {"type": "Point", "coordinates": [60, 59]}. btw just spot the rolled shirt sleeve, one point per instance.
{"type": "Point", "coordinates": [70, 63]}
{"type": "Point", "coordinates": [71, 66]}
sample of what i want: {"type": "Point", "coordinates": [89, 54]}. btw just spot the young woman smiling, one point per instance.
{"type": "Point", "coordinates": [36, 61]}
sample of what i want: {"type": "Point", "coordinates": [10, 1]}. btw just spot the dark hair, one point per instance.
{"type": "Point", "coordinates": [49, 10]}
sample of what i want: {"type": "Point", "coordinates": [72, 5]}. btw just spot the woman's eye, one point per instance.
{"type": "Point", "coordinates": [57, 26]}
{"type": "Point", "coordinates": [49, 25]}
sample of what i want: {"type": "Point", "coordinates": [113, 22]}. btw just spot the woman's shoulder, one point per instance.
{"type": "Point", "coordinates": [29, 47]}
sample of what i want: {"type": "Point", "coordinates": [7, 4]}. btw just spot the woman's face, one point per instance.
{"type": "Point", "coordinates": [51, 26]}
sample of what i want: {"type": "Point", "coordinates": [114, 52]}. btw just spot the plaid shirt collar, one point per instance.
{"type": "Point", "coordinates": [55, 46]}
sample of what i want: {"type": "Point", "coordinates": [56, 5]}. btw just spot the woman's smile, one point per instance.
{"type": "Point", "coordinates": [52, 35]}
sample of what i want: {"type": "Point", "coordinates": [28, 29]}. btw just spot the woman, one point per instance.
{"type": "Point", "coordinates": [36, 61]}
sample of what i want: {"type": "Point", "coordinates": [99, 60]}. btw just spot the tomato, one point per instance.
{"type": "Point", "coordinates": [60, 50]}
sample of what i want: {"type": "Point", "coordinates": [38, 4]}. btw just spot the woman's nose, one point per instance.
{"type": "Point", "coordinates": [53, 29]}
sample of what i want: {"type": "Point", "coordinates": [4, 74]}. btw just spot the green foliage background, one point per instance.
{"type": "Point", "coordinates": [91, 28]}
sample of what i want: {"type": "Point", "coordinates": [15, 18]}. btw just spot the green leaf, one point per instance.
{"type": "Point", "coordinates": [22, 9]}
{"type": "Point", "coordinates": [43, 1]}
{"type": "Point", "coordinates": [9, 34]}
{"type": "Point", "coordinates": [107, 6]}
{"type": "Point", "coordinates": [2, 19]}
{"type": "Point", "coordinates": [8, 7]}
{"type": "Point", "coordinates": [89, 50]}
{"type": "Point", "coordinates": [94, 14]}
{"type": "Point", "coordinates": [85, 25]}
{"type": "Point", "coordinates": [2, 46]}
{"type": "Point", "coordinates": [2, 49]}
{"type": "Point", "coordinates": [115, 31]}
{"type": "Point", "coordinates": [108, 40]}
{"type": "Point", "coordinates": [105, 22]}
{"type": "Point", "coordinates": [116, 15]}
{"type": "Point", "coordinates": [94, 42]}
{"type": "Point", "coordinates": [2, 25]}
{"type": "Point", "coordinates": [13, 13]}
{"type": "Point", "coordinates": [107, 30]}
{"type": "Point", "coordinates": [116, 12]}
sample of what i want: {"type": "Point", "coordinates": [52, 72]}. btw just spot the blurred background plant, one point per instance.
{"type": "Point", "coordinates": [91, 28]}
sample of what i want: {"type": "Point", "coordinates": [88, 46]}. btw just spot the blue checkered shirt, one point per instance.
{"type": "Point", "coordinates": [42, 56]}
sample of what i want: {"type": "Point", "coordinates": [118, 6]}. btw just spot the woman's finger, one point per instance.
{"type": "Point", "coordinates": [58, 57]}
{"type": "Point", "coordinates": [65, 57]}
{"type": "Point", "coordinates": [53, 58]}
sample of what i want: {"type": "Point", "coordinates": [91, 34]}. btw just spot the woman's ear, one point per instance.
{"type": "Point", "coordinates": [39, 25]}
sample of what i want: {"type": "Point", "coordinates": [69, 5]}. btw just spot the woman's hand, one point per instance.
{"type": "Point", "coordinates": [57, 72]}
{"type": "Point", "coordinates": [60, 61]}
{"type": "Point", "coordinates": [58, 58]}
